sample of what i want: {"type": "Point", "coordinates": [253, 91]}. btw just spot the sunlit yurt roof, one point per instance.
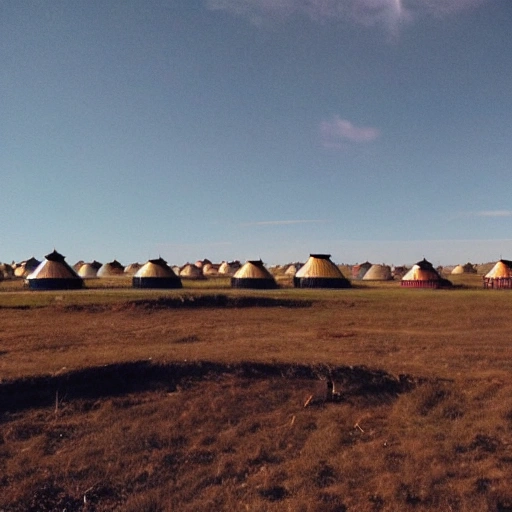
{"type": "Point", "coordinates": [319, 266]}
{"type": "Point", "coordinates": [132, 268]}
{"type": "Point", "coordinates": [422, 271]}
{"type": "Point", "coordinates": [378, 273]}
{"type": "Point", "coordinates": [87, 271]}
{"type": "Point", "coordinates": [253, 274]}
{"type": "Point", "coordinates": [155, 268]}
{"type": "Point", "coordinates": [229, 268]}
{"type": "Point", "coordinates": [502, 268]}
{"type": "Point", "coordinates": [459, 269]}
{"type": "Point", "coordinates": [191, 271]}
{"type": "Point", "coordinates": [54, 272]}
{"type": "Point", "coordinates": [113, 268]}
{"type": "Point", "coordinates": [253, 269]}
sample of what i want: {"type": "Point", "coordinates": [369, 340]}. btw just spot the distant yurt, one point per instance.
{"type": "Point", "coordinates": [87, 271]}
{"type": "Point", "coordinates": [378, 273]}
{"type": "Point", "coordinates": [359, 270]}
{"type": "Point", "coordinates": [468, 268]}
{"type": "Point", "coordinates": [112, 269]}
{"type": "Point", "coordinates": [229, 268]}
{"type": "Point", "coordinates": [424, 275]}
{"type": "Point", "coordinates": [77, 265]}
{"type": "Point", "coordinates": [156, 274]}
{"type": "Point", "coordinates": [210, 269]}
{"type": "Point", "coordinates": [500, 276]}
{"type": "Point", "coordinates": [26, 267]}
{"type": "Point", "coordinates": [253, 274]}
{"type": "Point", "coordinates": [54, 274]}
{"type": "Point", "coordinates": [132, 269]}
{"type": "Point", "coordinates": [292, 269]}
{"type": "Point", "coordinates": [320, 272]}
{"type": "Point", "coordinates": [190, 271]}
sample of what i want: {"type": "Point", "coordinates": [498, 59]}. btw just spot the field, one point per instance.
{"type": "Point", "coordinates": [208, 398]}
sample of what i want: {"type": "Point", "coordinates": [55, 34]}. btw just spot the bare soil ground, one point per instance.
{"type": "Point", "coordinates": [195, 400]}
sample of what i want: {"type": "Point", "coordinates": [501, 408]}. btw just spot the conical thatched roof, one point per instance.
{"type": "Point", "coordinates": [502, 269]}
{"type": "Point", "coordinates": [320, 272]}
{"type": "Point", "coordinates": [378, 273]}
{"type": "Point", "coordinates": [132, 268]}
{"type": "Point", "coordinates": [253, 274]}
{"type": "Point", "coordinates": [87, 271]}
{"type": "Point", "coordinates": [54, 273]}
{"type": "Point", "coordinates": [459, 269]}
{"type": "Point", "coordinates": [229, 268]}
{"type": "Point", "coordinates": [112, 269]}
{"type": "Point", "coordinates": [191, 272]}
{"type": "Point", "coordinates": [156, 274]}
{"type": "Point", "coordinates": [424, 275]}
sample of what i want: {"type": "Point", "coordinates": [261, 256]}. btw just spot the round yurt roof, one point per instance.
{"type": "Point", "coordinates": [54, 272]}
{"type": "Point", "coordinates": [422, 271]}
{"type": "Point", "coordinates": [253, 269]}
{"type": "Point", "coordinates": [229, 268]}
{"type": "Point", "coordinates": [319, 266]}
{"type": "Point", "coordinates": [378, 273]}
{"type": "Point", "coordinates": [502, 268]}
{"type": "Point", "coordinates": [459, 269]}
{"type": "Point", "coordinates": [114, 268]}
{"type": "Point", "coordinates": [156, 268]}
{"type": "Point", "coordinates": [132, 268]}
{"type": "Point", "coordinates": [191, 271]}
{"type": "Point", "coordinates": [253, 274]}
{"type": "Point", "coordinates": [87, 271]}
{"type": "Point", "coordinates": [209, 269]}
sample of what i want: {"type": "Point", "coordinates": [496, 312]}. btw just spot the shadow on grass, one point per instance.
{"type": "Point", "coordinates": [130, 377]}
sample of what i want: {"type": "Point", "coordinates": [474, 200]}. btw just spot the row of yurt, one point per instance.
{"type": "Point", "coordinates": [424, 275]}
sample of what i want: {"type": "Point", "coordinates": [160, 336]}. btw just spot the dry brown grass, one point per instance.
{"type": "Point", "coordinates": [230, 442]}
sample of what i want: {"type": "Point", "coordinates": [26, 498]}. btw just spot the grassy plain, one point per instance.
{"type": "Point", "coordinates": [223, 439]}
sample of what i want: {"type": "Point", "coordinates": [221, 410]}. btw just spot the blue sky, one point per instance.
{"type": "Point", "coordinates": [375, 130]}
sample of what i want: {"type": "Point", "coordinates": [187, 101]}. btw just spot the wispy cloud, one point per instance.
{"type": "Point", "coordinates": [390, 14]}
{"type": "Point", "coordinates": [282, 222]}
{"type": "Point", "coordinates": [337, 131]}
{"type": "Point", "coordinates": [494, 213]}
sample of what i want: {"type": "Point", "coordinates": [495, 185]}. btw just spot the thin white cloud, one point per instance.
{"type": "Point", "coordinates": [494, 213]}
{"type": "Point", "coordinates": [390, 14]}
{"type": "Point", "coordinates": [336, 132]}
{"type": "Point", "coordinates": [281, 222]}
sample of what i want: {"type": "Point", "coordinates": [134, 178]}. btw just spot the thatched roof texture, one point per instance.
{"type": "Point", "coordinates": [320, 272]}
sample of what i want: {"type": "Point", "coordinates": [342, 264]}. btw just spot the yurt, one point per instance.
{"type": "Point", "coordinates": [359, 270]}
{"type": "Point", "coordinates": [112, 269]}
{"type": "Point", "coordinates": [229, 268]}
{"type": "Point", "coordinates": [292, 269]}
{"type": "Point", "coordinates": [156, 274]}
{"type": "Point", "coordinates": [191, 271]}
{"type": "Point", "coordinates": [25, 268]}
{"type": "Point", "coordinates": [87, 271]}
{"type": "Point", "coordinates": [424, 275]}
{"type": "Point", "coordinates": [253, 274]}
{"type": "Point", "coordinates": [132, 269]}
{"type": "Point", "coordinates": [54, 274]}
{"type": "Point", "coordinates": [468, 268]}
{"type": "Point", "coordinates": [459, 269]}
{"type": "Point", "coordinates": [500, 276]}
{"type": "Point", "coordinates": [210, 269]}
{"type": "Point", "coordinates": [320, 272]}
{"type": "Point", "coordinates": [378, 273]}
